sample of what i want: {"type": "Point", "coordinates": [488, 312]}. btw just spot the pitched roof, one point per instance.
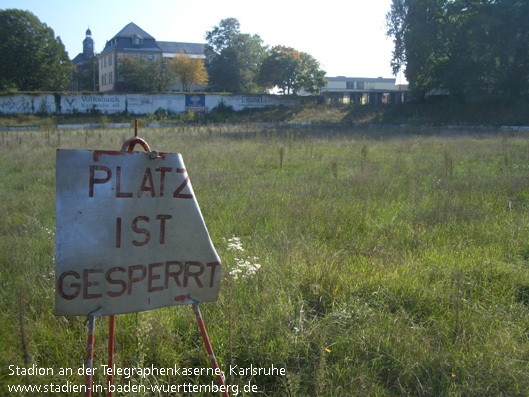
{"type": "Point", "coordinates": [80, 58]}
{"type": "Point", "coordinates": [131, 30]}
{"type": "Point", "coordinates": [176, 47]}
{"type": "Point", "coordinates": [124, 40]}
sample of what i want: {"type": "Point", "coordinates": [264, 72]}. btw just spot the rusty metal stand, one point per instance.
{"type": "Point", "coordinates": [110, 376]}
{"type": "Point", "coordinates": [89, 355]}
{"type": "Point", "coordinates": [209, 349]}
{"type": "Point", "coordinates": [128, 145]}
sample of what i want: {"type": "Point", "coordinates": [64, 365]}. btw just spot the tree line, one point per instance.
{"type": "Point", "coordinates": [239, 62]}
{"type": "Point", "coordinates": [143, 75]}
{"type": "Point", "coordinates": [33, 59]}
{"type": "Point", "coordinates": [469, 49]}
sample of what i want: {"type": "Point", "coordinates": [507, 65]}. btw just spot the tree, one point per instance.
{"type": "Point", "coordinates": [138, 74]}
{"type": "Point", "coordinates": [145, 75]}
{"type": "Point", "coordinates": [222, 36]}
{"type": "Point", "coordinates": [281, 68]}
{"type": "Point", "coordinates": [164, 76]}
{"type": "Point", "coordinates": [233, 58]}
{"type": "Point", "coordinates": [312, 78]}
{"type": "Point", "coordinates": [468, 48]}
{"type": "Point", "coordinates": [415, 26]}
{"type": "Point", "coordinates": [189, 71]}
{"type": "Point", "coordinates": [509, 35]}
{"type": "Point", "coordinates": [88, 75]}
{"type": "Point", "coordinates": [31, 57]}
{"type": "Point", "coordinates": [467, 67]}
{"type": "Point", "coordinates": [291, 71]}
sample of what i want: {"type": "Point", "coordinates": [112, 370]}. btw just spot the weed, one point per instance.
{"type": "Point", "coordinates": [281, 156]}
{"type": "Point", "coordinates": [449, 165]}
{"type": "Point", "coordinates": [334, 169]}
{"type": "Point", "coordinates": [364, 152]}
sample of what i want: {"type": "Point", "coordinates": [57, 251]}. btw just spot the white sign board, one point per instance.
{"type": "Point", "coordinates": [129, 234]}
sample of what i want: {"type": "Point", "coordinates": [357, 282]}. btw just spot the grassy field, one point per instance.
{"type": "Point", "coordinates": [392, 262]}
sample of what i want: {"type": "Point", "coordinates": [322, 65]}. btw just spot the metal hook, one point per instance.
{"type": "Point", "coordinates": [128, 145]}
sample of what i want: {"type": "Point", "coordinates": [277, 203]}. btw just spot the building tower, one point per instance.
{"type": "Point", "coordinates": [88, 45]}
{"type": "Point", "coordinates": [85, 70]}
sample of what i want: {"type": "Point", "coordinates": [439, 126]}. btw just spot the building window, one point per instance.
{"type": "Point", "coordinates": [150, 57]}
{"type": "Point", "coordinates": [350, 85]}
{"type": "Point", "coordinates": [359, 85]}
{"type": "Point", "coordinates": [110, 78]}
{"type": "Point", "coordinates": [110, 60]}
{"type": "Point", "coordinates": [370, 86]}
{"type": "Point", "coordinates": [137, 40]}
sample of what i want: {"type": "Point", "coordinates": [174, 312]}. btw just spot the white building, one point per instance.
{"type": "Point", "coordinates": [135, 42]}
{"type": "Point", "coordinates": [362, 91]}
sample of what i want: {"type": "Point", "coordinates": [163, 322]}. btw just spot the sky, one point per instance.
{"type": "Point", "coordinates": [347, 37]}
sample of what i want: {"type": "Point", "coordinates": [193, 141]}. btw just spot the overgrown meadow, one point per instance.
{"type": "Point", "coordinates": [372, 262]}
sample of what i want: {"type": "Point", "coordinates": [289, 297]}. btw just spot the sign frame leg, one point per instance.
{"type": "Point", "coordinates": [209, 349]}
{"type": "Point", "coordinates": [90, 355]}
{"type": "Point", "coordinates": [110, 377]}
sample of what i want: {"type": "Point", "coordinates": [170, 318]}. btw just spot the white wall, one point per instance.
{"type": "Point", "coordinates": [85, 103]}
{"type": "Point", "coordinates": [239, 102]}
{"type": "Point", "coordinates": [27, 104]}
{"type": "Point", "coordinates": [133, 103]}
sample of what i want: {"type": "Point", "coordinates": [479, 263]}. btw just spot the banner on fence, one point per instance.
{"type": "Point", "coordinates": [196, 102]}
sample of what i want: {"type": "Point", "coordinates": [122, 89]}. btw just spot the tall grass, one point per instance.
{"type": "Point", "coordinates": [392, 262]}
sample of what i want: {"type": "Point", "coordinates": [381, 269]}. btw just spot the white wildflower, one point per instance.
{"type": "Point", "coordinates": [234, 243]}
{"type": "Point", "coordinates": [244, 267]}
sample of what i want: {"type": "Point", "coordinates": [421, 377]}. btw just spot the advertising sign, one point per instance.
{"type": "Point", "coordinates": [84, 103]}
{"type": "Point", "coordinates": [129, 234]}
{"type": "Point", "coordinates": [196, 102]}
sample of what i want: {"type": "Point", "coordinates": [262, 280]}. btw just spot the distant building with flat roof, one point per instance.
{"type": "Point", "coordinates": [362, 91]}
